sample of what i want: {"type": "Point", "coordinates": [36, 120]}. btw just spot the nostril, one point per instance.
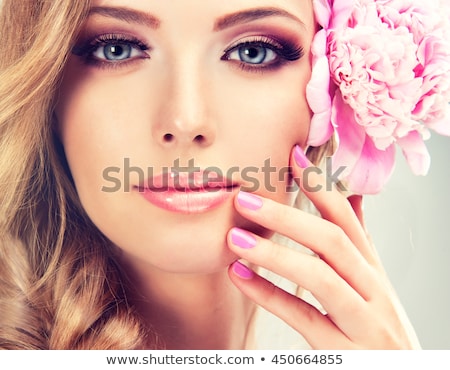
{"type": "Point", "coordinates": [199, 139]}
{"type": "Point", "coordinates": [168, 138]}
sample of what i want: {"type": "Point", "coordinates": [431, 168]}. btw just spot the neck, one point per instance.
{"type": "Point", "coordinates": [189, 311]}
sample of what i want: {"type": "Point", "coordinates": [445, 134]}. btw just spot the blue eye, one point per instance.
{"type": "Point", "coordinates": [111, 49]}
{"type": "Point", "coordinates": [253, 54]}
{"type": "Point", "coordinates": [257, 53]}
{"type": "Point", "coordinates": [115, 52]}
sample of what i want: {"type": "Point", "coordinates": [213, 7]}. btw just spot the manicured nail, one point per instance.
{"type": "Point", "coordinates": [242, 271]}
{"type": "Point", "coordinates": [242, 238]}
{"type": "Point", "coordinates": [300, 157]}
{"type": "Point", "coordinates": [249, 201]}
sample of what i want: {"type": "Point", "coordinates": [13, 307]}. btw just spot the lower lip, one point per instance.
{"type": "Point", "coordinates": [189, 202]}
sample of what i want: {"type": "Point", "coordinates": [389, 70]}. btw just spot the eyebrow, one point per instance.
{"type": "Point", "coordinates": [127, 15]}
{"type": "Point", "coordinates": [226, 21]}
{"type": "Point", "coordinates": [250, 15]}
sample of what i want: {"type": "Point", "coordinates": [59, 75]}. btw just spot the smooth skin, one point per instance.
{"type": "Point", "coordinates": [184, 92]}
{"type": "Point", "coordinates": [185, 95]}
{"type": "Point", "coordinates": [362, 310]}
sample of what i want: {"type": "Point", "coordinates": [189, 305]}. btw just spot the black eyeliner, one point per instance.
{"type": "Point", "coordinates": [286, 51]}
{"type": "Point", "coordinates": [86, 48]}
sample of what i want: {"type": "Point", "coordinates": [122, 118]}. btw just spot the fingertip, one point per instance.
{"type": "Point", "coordinates": [301, 167]}
{"type": "Point", "coordinates": [248, 201]}
{"type": "Point", "coordinates": [241, 271]}
{"type": "Point", "coordinates": [241, 238]}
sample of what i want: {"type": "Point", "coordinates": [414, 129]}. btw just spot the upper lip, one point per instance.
{"type": "Point", "coordinates": [187, 181]}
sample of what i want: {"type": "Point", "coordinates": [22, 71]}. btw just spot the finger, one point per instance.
{"type": "Point", "coordinates": [316, 328]}
{"type": "Point", "coordinates": [334, 294]}
{"type": "Point", "coordinates": [321, 236]}
{"type": "Point", "coordinates": [332, 205]}
{"type": "Point", "coordinates": [356, 202]}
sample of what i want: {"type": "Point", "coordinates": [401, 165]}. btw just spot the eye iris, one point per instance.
{"type": "Point", "coordinates": [117, 51]}
{"type": "Point", "coordinates": [253, 54]}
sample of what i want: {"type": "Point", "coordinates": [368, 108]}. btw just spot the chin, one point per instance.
{"type": "Point", "coordinates": [175, 242]}
{"type": "Point", "coordinates": [155, 238]}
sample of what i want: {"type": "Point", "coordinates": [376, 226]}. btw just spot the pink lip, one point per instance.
{"type": "Point", "coordinates": [188, 193]}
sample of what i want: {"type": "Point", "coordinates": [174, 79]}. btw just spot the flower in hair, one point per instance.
{"type": "Point", "coordinates": [380, 78]}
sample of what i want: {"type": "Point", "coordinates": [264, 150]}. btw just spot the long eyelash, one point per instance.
{"type": "Point", "coordinates": [86, 49]}
{"type": "Point", "coordinates": [285, 50]}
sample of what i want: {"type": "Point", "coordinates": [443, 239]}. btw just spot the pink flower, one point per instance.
{"type": "Point", "coordinates": [319, 99]}
{"type": "Point", "coordinates": [418, 17]}
{"type": "Point", "coordinates": [376, 78]}
{"type": "Point", "coordinates": [434, 68]}
{"type": "Point", "coordinates": [317, 91]}
{"type": "Point", "coordinates": [388, 83]}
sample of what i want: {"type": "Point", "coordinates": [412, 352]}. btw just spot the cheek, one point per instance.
{"type": "Point", "coordinates": [84, 142]}
{"type": "Point", "coordinates": [270, 109]}
{"type": "Point", "coordinates": [95, 125]}
{"type": "Point", "coordinates": [268, 117]}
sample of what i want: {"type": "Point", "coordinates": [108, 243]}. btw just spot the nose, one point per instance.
{"type": "Point", "coordinates": [183, 120]}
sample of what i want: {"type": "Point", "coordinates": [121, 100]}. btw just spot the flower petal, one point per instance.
{"type": "Point", "coordinates": [415, 152]}
{"type": "Point", "coordinates": [342, 10]}
{"type": "Point", "coordinates": [372, 170]}
{"type": "Point", "coordinates": [319, 101]}
{"type": "Point", "coordinates": [350, 135]}
{"type": "Point", "coordinates": [322, 12]}
{"type": "Point", "coordinates": [442, 127]}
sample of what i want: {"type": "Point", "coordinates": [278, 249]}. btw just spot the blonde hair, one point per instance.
{"type": "Point", "coordinates": [60, 287]}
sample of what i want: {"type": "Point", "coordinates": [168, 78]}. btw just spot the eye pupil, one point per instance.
{"type": "Point", "coordinates": [117, 51]}
{"type": "Point", "coordinates": [253, 54]}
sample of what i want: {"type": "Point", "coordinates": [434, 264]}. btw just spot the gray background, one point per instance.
{"type": "Point", "coordinates": [409, 224]}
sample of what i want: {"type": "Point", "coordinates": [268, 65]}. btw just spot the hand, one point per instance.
{"type": "Point", "coordinates": [362, 309]}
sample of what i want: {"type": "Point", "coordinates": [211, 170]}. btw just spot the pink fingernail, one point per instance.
{"type": "Point", "coordinates": [242, 271]}
{"type": "Point", "coordinates": [249, 201]}
{"type": "Point", "coordinates": [242, 238]}
{"type": "Point", "coordinates": [300, 157]}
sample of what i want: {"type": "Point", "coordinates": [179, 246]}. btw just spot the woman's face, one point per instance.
{"type": "Point", "coordinates": [212, 92]}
